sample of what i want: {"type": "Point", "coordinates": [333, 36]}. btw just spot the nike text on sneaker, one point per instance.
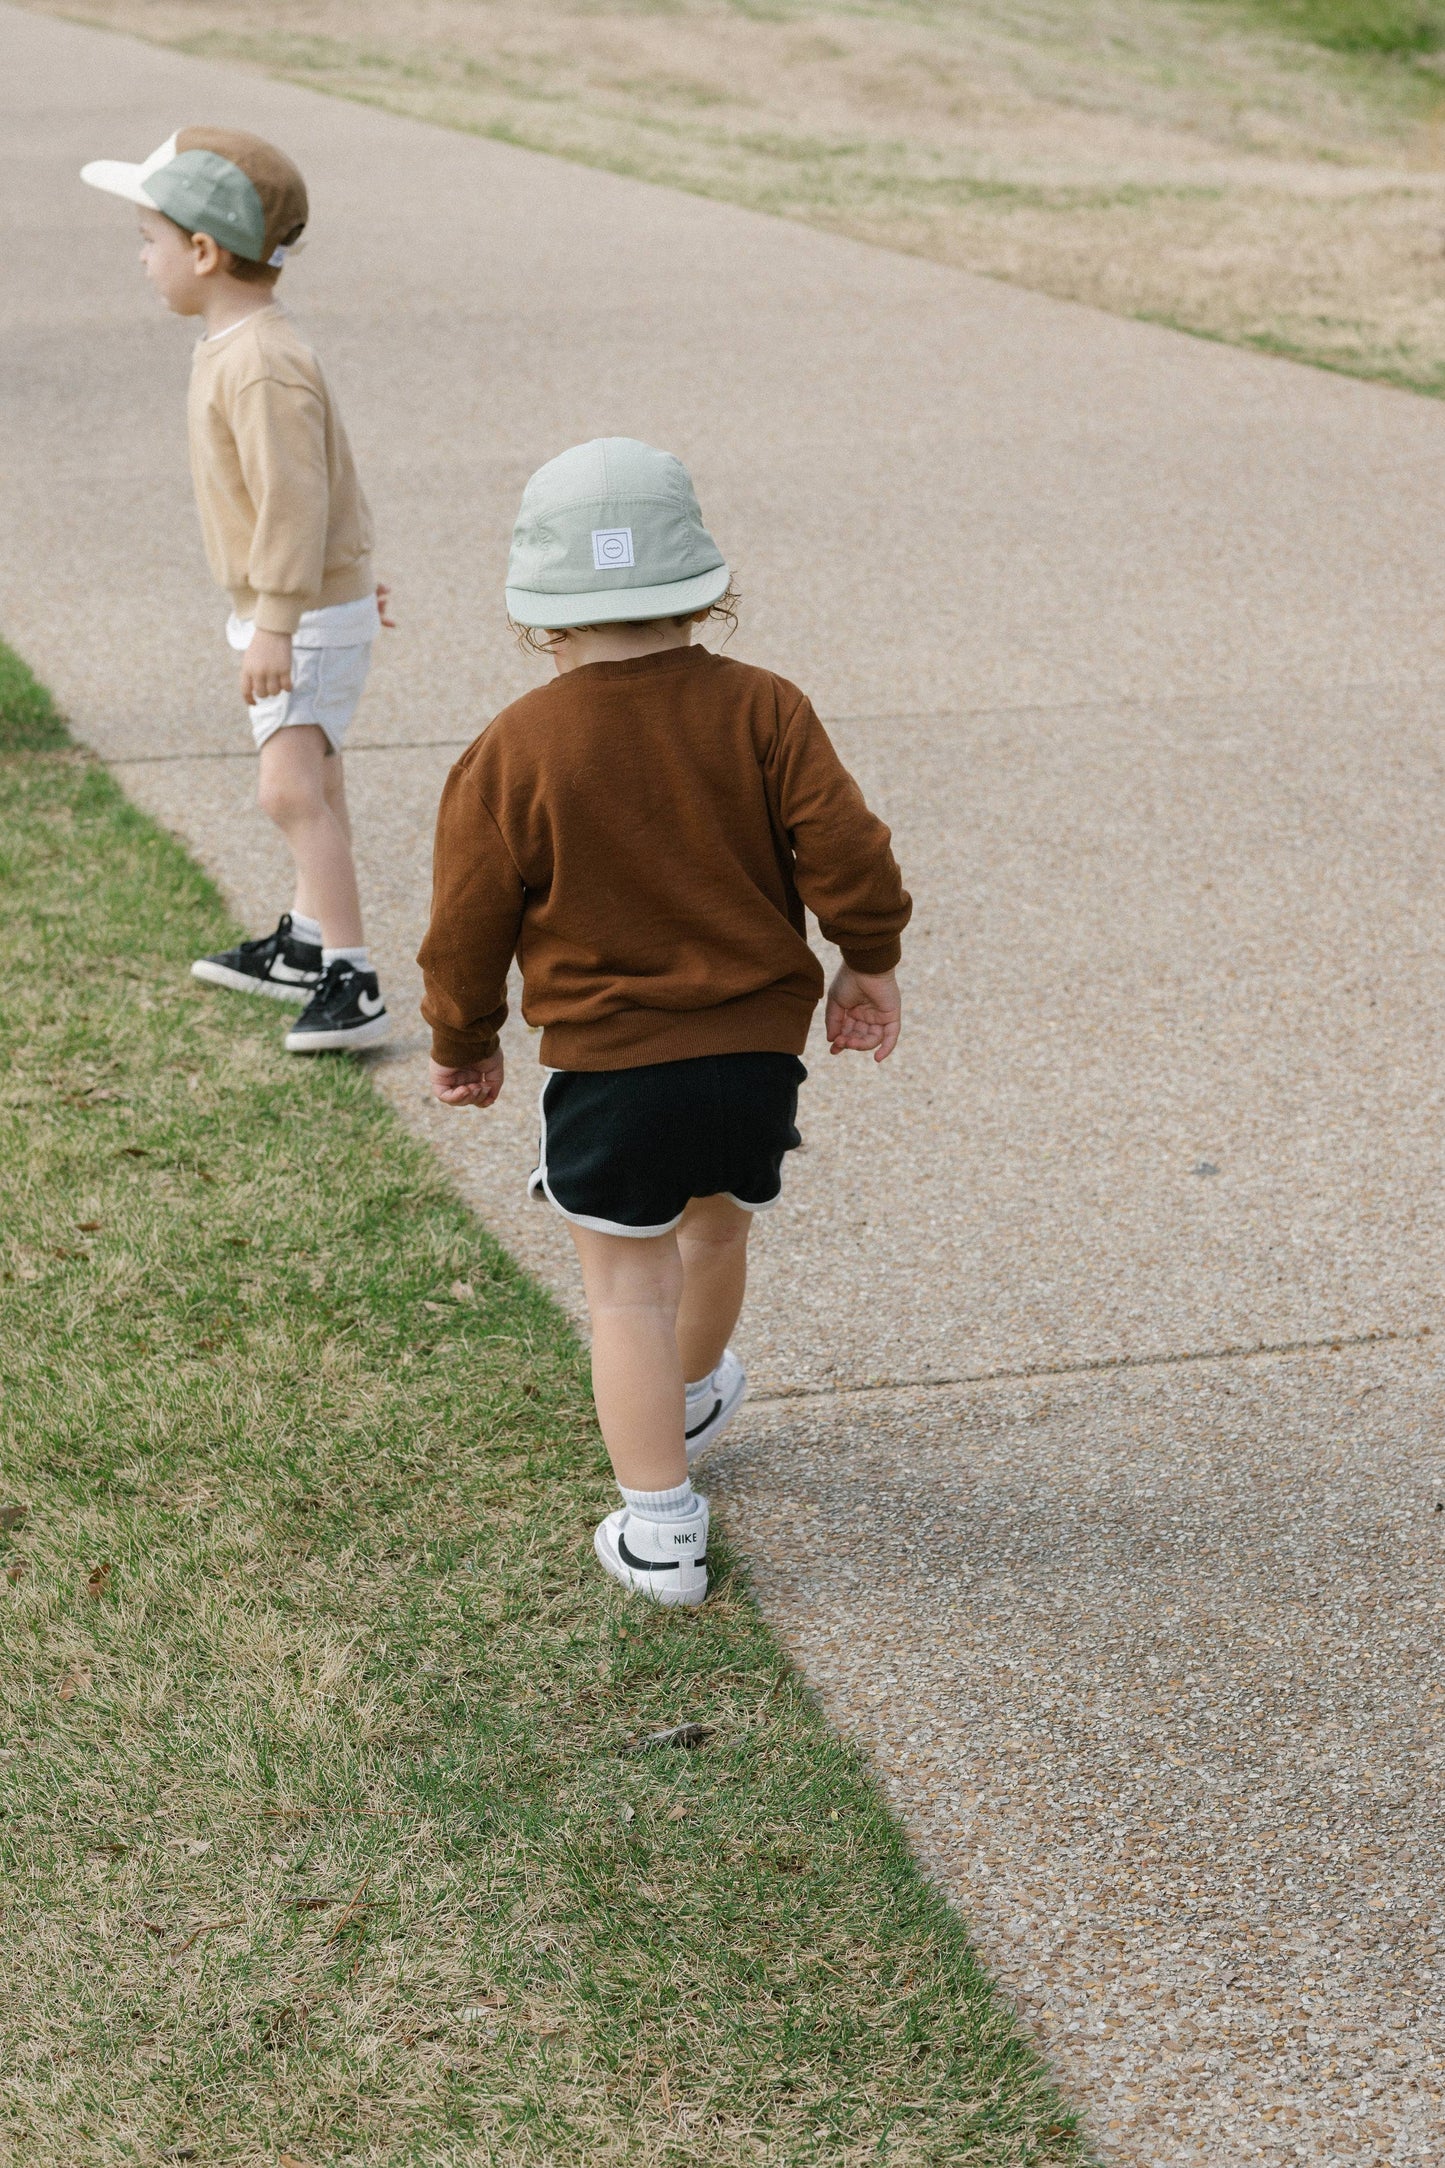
{"type": "Point", "coordinates": [712, 1403]}
{"type": "Point", "coordinates": [665, 1561]}
{"type": "Point", "coordinates": [345, 1012]}
{"type": "Point", "coordinates": [276, 964]}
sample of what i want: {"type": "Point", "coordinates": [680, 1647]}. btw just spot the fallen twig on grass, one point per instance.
{"type": "Point", "coordinates": [683, 1735]}
{"type": "Point", "coordinates": [352, 1910]}
{"type": "Point", "coordinates": [178, 1948]}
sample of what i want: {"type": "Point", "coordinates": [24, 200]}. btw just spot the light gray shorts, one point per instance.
{"type": "Point", "coordinates": [330, 656]}
{"type": "Point", "coordinates": [326, 687]}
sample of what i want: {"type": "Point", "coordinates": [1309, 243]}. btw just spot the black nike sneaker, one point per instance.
{"type": "Point", "coordinates": [276, 964]}
{"type": "Point", "coordinates": [346, 1011]}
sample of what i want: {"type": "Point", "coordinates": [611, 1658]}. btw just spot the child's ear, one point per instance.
{"type": "Point", "coordinates": [208, 256]}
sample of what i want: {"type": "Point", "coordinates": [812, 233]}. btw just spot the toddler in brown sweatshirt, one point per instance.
{"type": "Point", "coordinates": [642, 835]}
{"type": "Point", "coordinates": [287, 535]}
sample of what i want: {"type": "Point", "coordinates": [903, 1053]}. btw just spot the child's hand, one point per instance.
{"type": "Point", "coordinates": [266, 667]}
{"type": "Point", "coordinates": [864, 1014]}
{"type": "Point", "coordinates": [383, 601]}
{"type": "Point", "coordinates": [477, 1084]}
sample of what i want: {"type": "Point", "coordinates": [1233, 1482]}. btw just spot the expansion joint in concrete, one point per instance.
{"type": "Point", "coordinates": [1336, 1344]}
{"type": "Point", "coordinates": [163, 760]}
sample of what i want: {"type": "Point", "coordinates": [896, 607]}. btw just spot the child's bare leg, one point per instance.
{"type": "Point", "coordinates": [333, 783]}
{"type": "Point", "coordinates": [713, 1244]}
{"type": "Point", "coordinates": [293, 793]}
{"type": "Point", "coordinates": [633, 1287]}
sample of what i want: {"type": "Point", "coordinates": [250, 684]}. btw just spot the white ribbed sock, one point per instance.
{"type": "Point", "coordinates": [696, 1391]}
{"type": "Point", "coordinates": [306, 929]}
{"type": "Point", "coordinates": [663, 1505]}
{"type": "Point", "coordinates": [360, 957]}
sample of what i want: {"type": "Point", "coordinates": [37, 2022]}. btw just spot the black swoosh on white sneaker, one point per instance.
{"type": "Point", "coordinates": [646, 1565]}
{"type": "Point", "coordinates": [711, 1417]}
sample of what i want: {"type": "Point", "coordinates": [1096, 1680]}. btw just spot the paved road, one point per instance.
{"type": "Point", "coordinates": [1138, 643]}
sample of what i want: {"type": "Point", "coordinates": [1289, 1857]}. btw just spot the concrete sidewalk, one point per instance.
{"type": "Point", "coordinates": [1137, 641]}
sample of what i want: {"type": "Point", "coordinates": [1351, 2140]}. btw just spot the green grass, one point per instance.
{"type": "Point", "coordinates": [29, 718]}
{"type": "Point", "coordinates": [1358, 26]}
{"type": "Point", "coordinates": [319, 1832]}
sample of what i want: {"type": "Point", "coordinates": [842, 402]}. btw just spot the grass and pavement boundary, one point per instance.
{"type": "Point", "coordinates": [331, 1830]}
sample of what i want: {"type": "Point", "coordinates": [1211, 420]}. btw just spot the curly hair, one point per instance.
{"type": "Point", "coordinates": [544, 640]}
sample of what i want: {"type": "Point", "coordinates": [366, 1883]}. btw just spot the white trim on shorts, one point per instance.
{"type": "Point", "coordinates": [539, 1186]}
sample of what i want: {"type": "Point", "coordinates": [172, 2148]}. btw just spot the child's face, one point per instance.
{"type": "Point", "coordinates": [169, 259]}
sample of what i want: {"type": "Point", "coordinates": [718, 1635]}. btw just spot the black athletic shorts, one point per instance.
{"type": "Point", "coordinates": [624, 1150]}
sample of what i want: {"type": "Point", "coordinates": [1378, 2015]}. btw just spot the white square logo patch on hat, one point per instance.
{"type": "Point", "coordinates": [611, 548]}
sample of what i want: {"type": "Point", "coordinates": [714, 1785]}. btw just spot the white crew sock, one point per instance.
{"type": "Point", "coordinates": [703, 1385]}
{"type": "Point", "coordinates": [360, 957]}
{"type": "Point", "coordinates": [306, 929]}
{"type": "Point", "coordinates": [663, 1505]}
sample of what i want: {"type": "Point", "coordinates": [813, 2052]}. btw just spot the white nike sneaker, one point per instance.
{"type": "Point", "coordinates": [666, 1560]}
{"type": "Point", "coordinates": [712, 1403]}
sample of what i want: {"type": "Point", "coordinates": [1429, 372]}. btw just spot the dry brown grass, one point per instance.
{"type": "Point", "coordinates": [1163, 158]}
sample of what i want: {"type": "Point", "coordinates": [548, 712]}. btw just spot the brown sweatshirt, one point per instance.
{"type": "Point", "coordinates": [285, 523]}
{"type": "Point", "coordinates": [643, 837]}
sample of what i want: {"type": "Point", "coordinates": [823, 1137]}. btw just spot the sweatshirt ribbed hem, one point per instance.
{"type": "Point", "coordinates": [873, 962]}
{"type": "Point", "coordinates": [283, 613]}
{"type": "Point", "coordinates": [766, 1023]}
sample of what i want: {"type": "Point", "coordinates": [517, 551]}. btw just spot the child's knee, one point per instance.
{"type": "Point", "coordinates": [625, 1274]}
{"type": "Point", "coordinates": [288, 798]}
{"type": "Point", "coordinates": [715, 1223]}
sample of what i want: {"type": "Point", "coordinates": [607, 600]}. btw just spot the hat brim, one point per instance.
{"type": "Point", "coordinates": [616, 605]}
{"type": "Point", "coordinates": [117, 179]}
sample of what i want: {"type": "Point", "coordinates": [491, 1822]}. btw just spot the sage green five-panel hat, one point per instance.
{"type": "Point", "coordinates": [610, 532]}
{"type": "Point", "coordinates": [237, 188]}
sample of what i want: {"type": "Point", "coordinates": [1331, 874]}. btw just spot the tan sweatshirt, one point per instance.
{"type": "Point", "coordinates": [285, 523]}
{"type": "Point", "coordinates": [643, 837]}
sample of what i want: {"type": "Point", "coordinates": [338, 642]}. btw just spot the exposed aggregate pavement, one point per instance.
{"type": "Point", "coordinates": [1137, 642]}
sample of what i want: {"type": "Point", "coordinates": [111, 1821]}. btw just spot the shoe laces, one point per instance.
{"type": "Point", "coordinates": [267, 944]}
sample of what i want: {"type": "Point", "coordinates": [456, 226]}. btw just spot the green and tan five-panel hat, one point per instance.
{"type": "Point", "coordinates": [608, 533]}
{"type": "Point", "coordinates": [240, 190]}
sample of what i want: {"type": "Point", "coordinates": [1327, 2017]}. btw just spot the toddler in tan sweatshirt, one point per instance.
{"type": "Point", "coordinates": [287, 535]}
{"type": "Point", "coordinates": [642, 835]}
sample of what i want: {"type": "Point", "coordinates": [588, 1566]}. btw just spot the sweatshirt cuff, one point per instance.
{"type": "Point", "coordinates": [278, 613]}
{"type": "Point", "coordinates": [459, 1049]}
{"type": "Point", "coordinates": [873, 962]}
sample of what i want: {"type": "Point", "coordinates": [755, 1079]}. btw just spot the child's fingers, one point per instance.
{"type": "Point", "coordinates": [862, 1031]}
{"type": "Point", "coordinates": [477, 1092]}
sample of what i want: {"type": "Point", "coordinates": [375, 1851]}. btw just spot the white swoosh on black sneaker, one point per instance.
{"type": "Point", "coordinates": [370, 1004]}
